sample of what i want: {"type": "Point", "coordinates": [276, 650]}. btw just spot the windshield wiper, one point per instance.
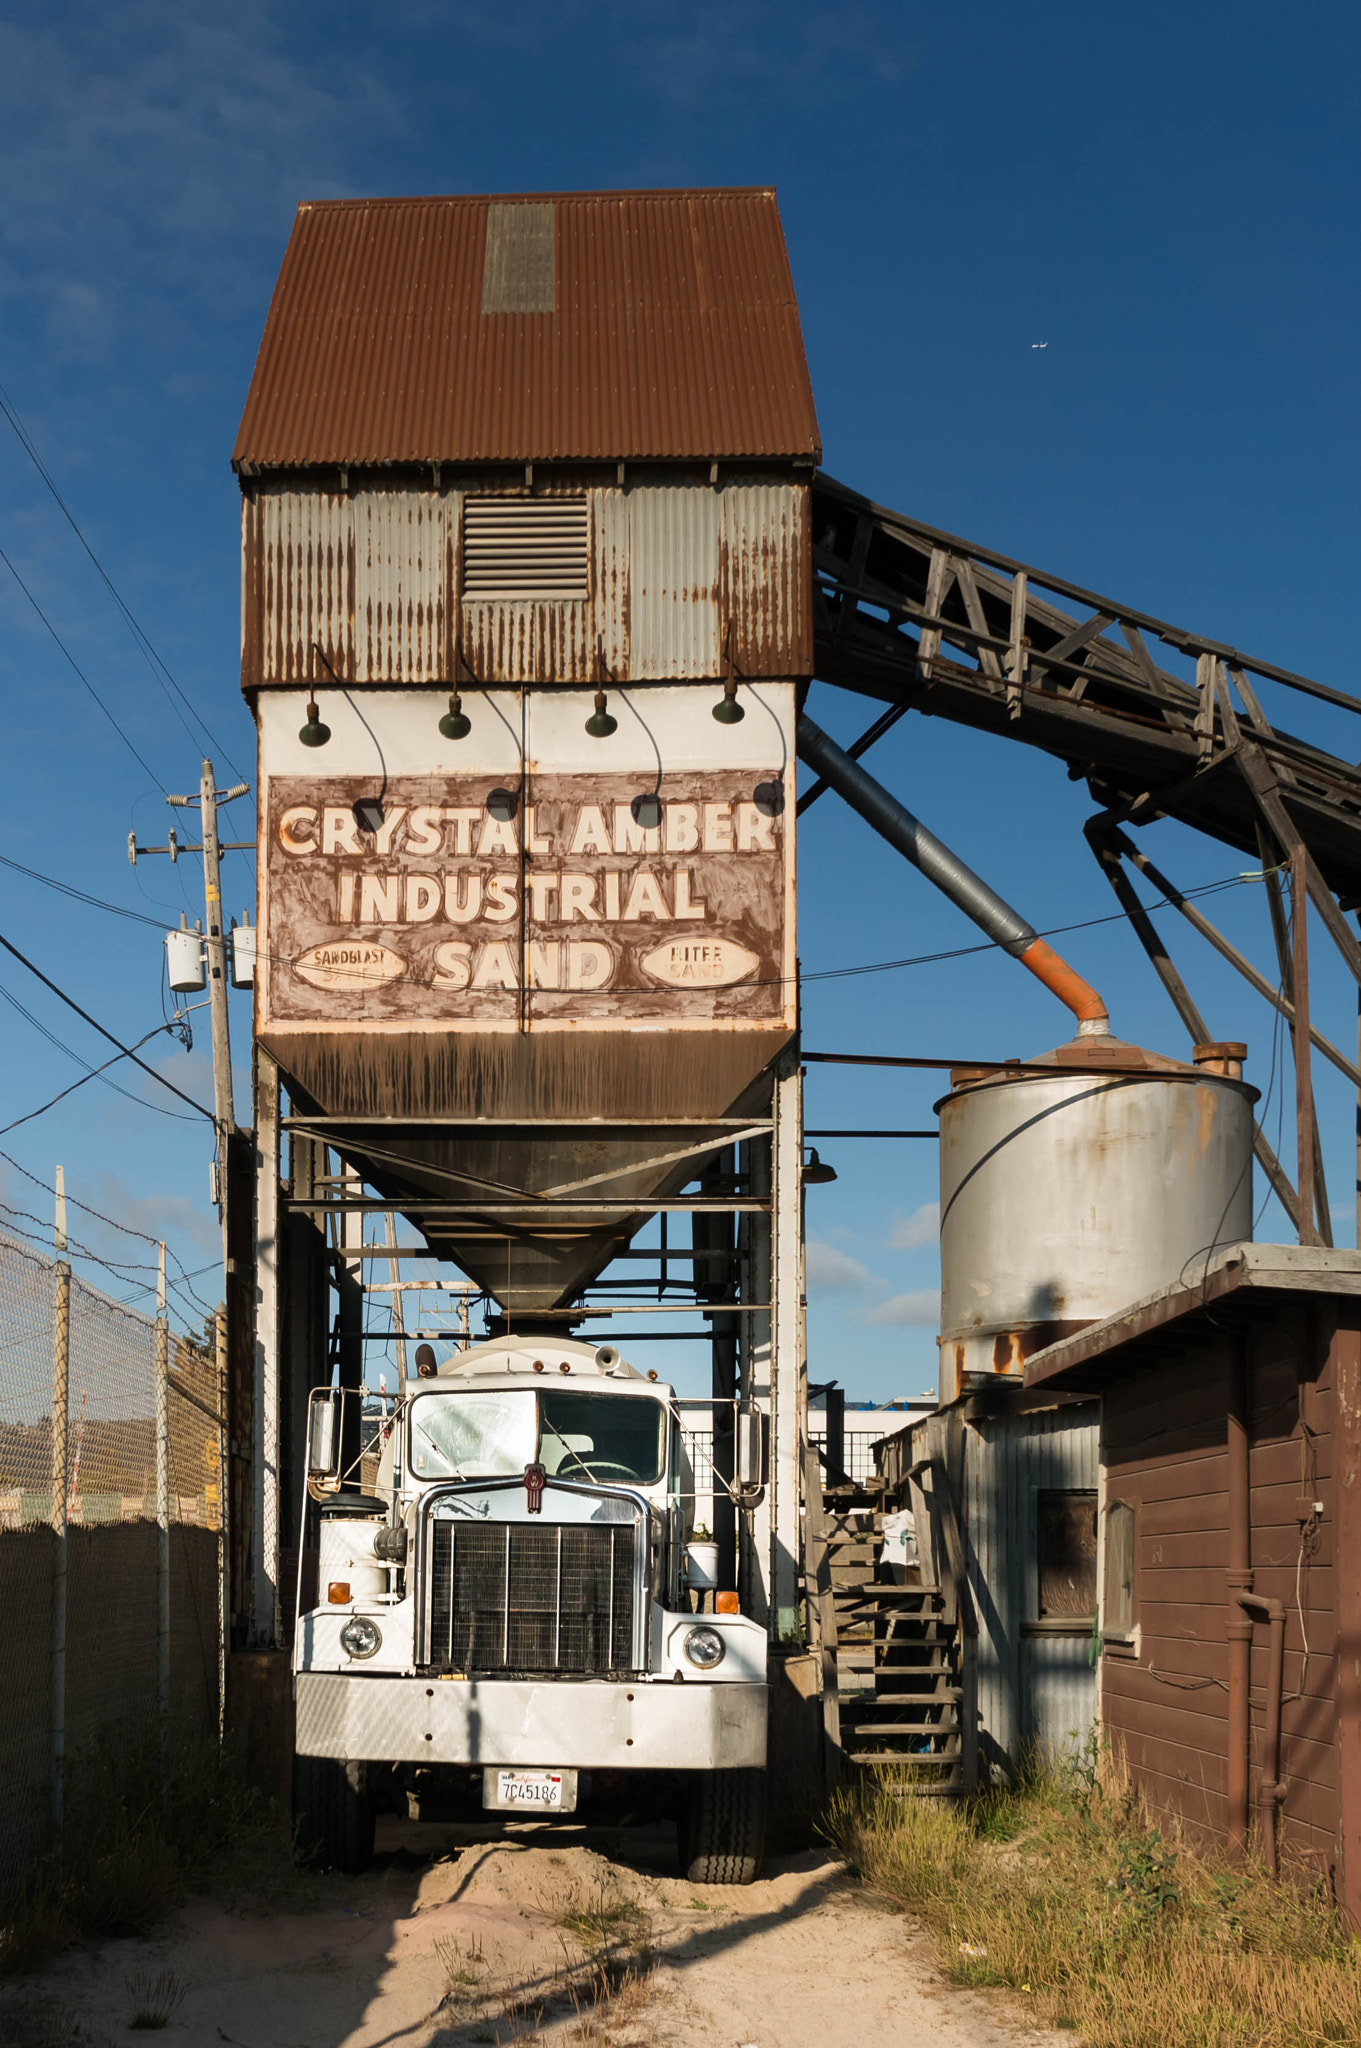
{"type": "Point", "coordinates": [575, 1455]}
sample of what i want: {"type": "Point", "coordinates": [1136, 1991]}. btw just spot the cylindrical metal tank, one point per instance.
{"type": "Point", "coordinates": [1077, 1184]}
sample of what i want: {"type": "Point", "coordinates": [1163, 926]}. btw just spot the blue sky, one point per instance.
{"type": "Point", "coordinates": [1166, 196]}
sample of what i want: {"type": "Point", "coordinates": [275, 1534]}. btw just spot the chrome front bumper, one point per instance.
{"type": "Point", "coordinates": [577, 1724]}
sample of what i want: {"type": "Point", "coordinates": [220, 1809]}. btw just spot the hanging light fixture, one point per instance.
{"type": "Point", "coordinates": [455, 725]}
{"type": "Point", "coordinates": [727, 710]}
{"type": "Point", "coordinates": [817, 1173]}
{"type": "Point", "coordinates": [314, 733]}
{"type": "Point", "coordinates": [646, 809]}
{"type": "Point", "coordinates": [600, 724]}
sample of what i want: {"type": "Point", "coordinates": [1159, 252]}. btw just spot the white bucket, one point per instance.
{"type": "Point", "coordinates": [701, 1567]}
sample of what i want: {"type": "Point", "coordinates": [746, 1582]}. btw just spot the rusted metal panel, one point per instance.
{"type": "Point", "coordinates": [674, 612]}
{"type": "Point", "coordinates": [677, 574]}
{"type": "Point", "coordinates": [365, 578]}
{"type": "Point", "coordinates": [766, 578]}
{"type": "Point", "coordinates": [611, 571]}
{"type": "Point", "coordinates": [674, 334]}
{"type": "Point", "coordinates": [400, 555]}
{"type": "Point", "coordinates": [304, 544]}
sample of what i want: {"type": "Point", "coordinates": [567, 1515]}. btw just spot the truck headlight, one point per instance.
{"type": "Point", "coordinates": [361, 1637]}
{"type": "Point", "coordinates": [703, 1647]}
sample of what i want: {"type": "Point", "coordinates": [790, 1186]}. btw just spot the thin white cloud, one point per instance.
{"type": "Point", "coordinates": [920, 1310]}
{"type": "Point", "coordinates": [910, 1233]}
{"type": "Point", "coordinates": [831, 1271]}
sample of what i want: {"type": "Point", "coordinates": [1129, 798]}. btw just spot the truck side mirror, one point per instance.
{"type": "Point", "coordinates": [323, 1434]}
{"type": "Point", "coordinates": [750, 1448]}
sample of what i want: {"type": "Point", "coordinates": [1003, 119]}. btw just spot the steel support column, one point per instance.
{"type": "Point", "coordinates": [788, 1419]}
{"type": "Point", "coordinates": [264, 1606]}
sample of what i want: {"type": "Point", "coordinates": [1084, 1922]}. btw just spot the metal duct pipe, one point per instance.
{"type": "Point", "coordinates": [1239, 1627]}
{"type": "Point", "coordinates": [1271, 1793]}
{"type": "Point", "coordinates": [894, 822]}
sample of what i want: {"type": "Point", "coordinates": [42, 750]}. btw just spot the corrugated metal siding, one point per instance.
{"type": "Point", "coordinates": [675, 336]}
{"type": "Point", "coordinates": [1030, 1688]}
{"type": "Point", "coordinates": [613, 596]}
{"type": "Point", "coordinates": [401, 557]}
{"type": "Point", "coordinates": [306, 554]}
{"type": "Point", "coordinates": [371, 578]}
{"type": "Point", "coordinates": [766, 575]}
{"type": "Point", "coordinates": [673, 544]}
{"type": "Point", "coordinates": [524, 642]}
{"type": "Point", "coordinates": [365, 578]}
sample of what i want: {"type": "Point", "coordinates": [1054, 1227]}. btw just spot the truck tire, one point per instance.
{"type": "Point", "coordinates": [333, 1814]}
{"type": "Point", "coordinates": [722, 1828]}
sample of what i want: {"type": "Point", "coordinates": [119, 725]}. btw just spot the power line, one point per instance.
{"type": "Point", "coordinates": [80, 896]}
{"type": "Point", "coordinates": [93, 1074]}
{"type": "Point", "coordinates": [95, 1025]}
{"type": "Point", "coordinates": [144, 646]}
{"type": "Point", "coordinates": [14, 1220]}
{"type": "Point", "coordinates": [143, 764]}
{"type": "Point", "coordinates": [1052, 931]}
{"type": "Point", "coordinates": [75, 1202]}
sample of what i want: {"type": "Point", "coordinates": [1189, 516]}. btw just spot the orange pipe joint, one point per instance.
{"type": "Point", "coordinates": [1093, 1019]}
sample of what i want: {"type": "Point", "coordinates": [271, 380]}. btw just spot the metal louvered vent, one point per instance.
{"type": "Point", "coordinates": [526, 548]}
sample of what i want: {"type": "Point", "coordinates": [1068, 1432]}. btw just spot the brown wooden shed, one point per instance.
{"type": "Point", "coordinates": [1230, 1548]}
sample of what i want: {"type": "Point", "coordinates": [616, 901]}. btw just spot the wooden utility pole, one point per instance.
{"type": "Point", "coordinates": [162, 1509]}
{"type": "Point", "coordinates": [214, 947]}
{"type": "Point", "coordinates": [61, 1385]}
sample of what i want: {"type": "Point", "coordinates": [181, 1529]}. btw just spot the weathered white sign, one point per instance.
{"type": "Point", "coordinates": [571, 896]}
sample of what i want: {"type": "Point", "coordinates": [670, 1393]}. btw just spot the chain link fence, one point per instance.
{"type": "Point", "coordinates": [110, 1538]}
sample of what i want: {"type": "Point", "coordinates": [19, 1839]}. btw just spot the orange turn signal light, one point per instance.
{"type": "Point", "coordinates": [338, 1592]}
{"type": "Point", "coordinates": [726, 1603]}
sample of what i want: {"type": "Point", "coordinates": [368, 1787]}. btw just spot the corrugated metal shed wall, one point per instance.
{"type": "Point", "coordinates": [1031, 1688]}
{"type": "Point", "coordinates": [672, 333]}
{"type": "Point", "coordinates": [677, 571]}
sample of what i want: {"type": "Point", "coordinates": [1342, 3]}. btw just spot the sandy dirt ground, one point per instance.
{"type": "Point", "coordinates": [462, 1936]}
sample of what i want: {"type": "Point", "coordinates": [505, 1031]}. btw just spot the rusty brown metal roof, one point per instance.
{"type": "Point", "coordinates": [673, 333]}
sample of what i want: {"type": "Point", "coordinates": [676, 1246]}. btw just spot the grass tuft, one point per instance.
{"type": "Point", "coordinates": [138, 1834]}
{"type": "Point", "coordinates": [153, 2001]}
{"type": "Point", "coordinates": [1064, 1888]}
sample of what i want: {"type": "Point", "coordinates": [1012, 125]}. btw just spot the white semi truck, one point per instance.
{"type": "Point", "coordinates": [511, 1610]}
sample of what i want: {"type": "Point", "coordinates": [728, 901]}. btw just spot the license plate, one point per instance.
{"type": "Point", "coordinates": [529, 1791]}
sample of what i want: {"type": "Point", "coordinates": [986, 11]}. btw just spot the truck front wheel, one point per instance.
{"type": "Point", "coordinates": [722, 1829]}
{"type": "Point", "coordinates": [333, 1813]}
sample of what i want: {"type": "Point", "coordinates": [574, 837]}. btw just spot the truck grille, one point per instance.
{"type": "Point", "coordinates": [555, 1597]}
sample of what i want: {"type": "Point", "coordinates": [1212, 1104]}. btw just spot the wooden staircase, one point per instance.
{"type": "Point", "coordinates": [900, 1657]}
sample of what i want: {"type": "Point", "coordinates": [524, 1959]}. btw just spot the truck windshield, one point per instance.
{"type": "Point", "coordinates": [616, 1439]}
{"type": "Point", "coordinates": [462, 1436]}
